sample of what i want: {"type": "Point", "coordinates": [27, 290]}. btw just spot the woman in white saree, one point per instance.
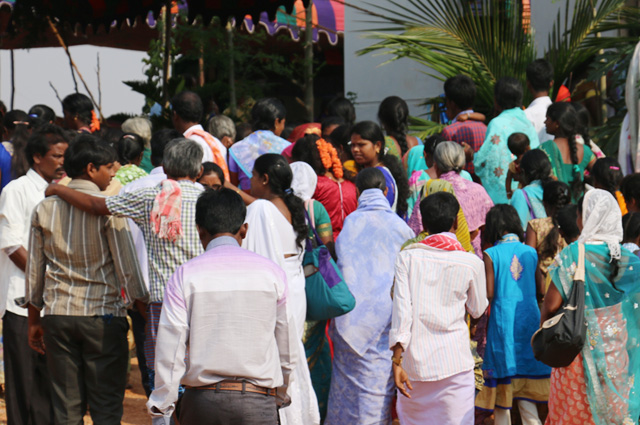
{"type": "Point", "coordinates": [277, 230]}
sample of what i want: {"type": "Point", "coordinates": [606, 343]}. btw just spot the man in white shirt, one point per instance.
{"type": "Point", "coordinates": [26, 379]}
{"type": "Point", "coordinates": [227, 309]}
{"type": "Point", "coordinates": [539, 83]}
{"type": "Point", "coordinates": [435, 282]}
{"type": "Point", "coordinates": [187, 112]}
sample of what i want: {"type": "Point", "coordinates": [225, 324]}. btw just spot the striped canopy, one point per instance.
{"type": "Point", "coordinates": [328, 18]}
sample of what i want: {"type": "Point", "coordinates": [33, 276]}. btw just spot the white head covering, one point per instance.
{"type": "Point", "coordinates": [602, 220]}
{"type": "Point", "coordinates": [304, 181]}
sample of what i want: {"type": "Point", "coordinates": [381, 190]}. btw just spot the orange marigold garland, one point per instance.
{"type": "Point", "coordinates": [329, 158]}
{"type": "Point", "coordinates": [95, 122]}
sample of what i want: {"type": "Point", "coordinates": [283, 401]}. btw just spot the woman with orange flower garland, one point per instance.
{"type": "Point", "coordinates": [79, 114]}
{"type": "Point", "coordinates": [337, 194]}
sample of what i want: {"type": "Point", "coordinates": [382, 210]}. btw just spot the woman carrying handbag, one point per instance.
{"type": "Point", "coordinates": [600, 386]}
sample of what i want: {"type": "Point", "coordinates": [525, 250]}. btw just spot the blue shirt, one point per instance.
{"type": "Point", "coordinates": [5, 167]}
{"type": "Point", "coordinates": [534, 193]}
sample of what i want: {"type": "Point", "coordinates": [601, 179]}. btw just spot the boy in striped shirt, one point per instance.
{"type": "Point", "coordinates": [78, 269]}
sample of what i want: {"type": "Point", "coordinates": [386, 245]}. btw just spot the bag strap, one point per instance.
{"type": "Point", "coordinates": [579, 275]}
{"type": "Point", "coordinates": [526, 197]}
{"type": "Point", "coordinates": [315, 233]}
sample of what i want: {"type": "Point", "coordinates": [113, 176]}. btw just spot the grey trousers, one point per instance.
{"type": "Point", "coordinates": [87, 359]}
{"type": "Point", "coordinates": [208, 407]}
{"type": "Point", "coordinates": [27, 392]}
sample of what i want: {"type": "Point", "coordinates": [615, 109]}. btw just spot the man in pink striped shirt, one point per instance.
{"type": "Point", "coordinates": [435, 282]}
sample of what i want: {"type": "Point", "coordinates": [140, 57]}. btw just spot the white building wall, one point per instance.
{"type": "Point", "coordinates": [371, 82]}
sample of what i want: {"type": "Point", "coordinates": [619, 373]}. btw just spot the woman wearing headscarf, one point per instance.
{"type": "Point", "coordinates": [361, 383]}
{"type": "Point", "coordinates": [316, 343]}
{"type": "Point", "coordinates": [278, 230]}
{"type": "Point", "coordinates": [474, 200]}
{"type": "Point", "coordinates": [267, 120]}
{"type": "Point", "coordinates": [601, 385]}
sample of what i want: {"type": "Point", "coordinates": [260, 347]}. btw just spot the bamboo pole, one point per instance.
{"type": "Point", "coordinates": [73, 64]}
{"type": "Point", "coordinates": [308, 62]}
{"type": "Point", "coordinates": [233, 103]}
{"type": "Point", "coordinates": [166, 66]}
{"type": "Point", "coordinates": [201, 78]}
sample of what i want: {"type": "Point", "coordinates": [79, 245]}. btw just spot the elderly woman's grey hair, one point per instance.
{"type": "Point", "coordinates": [449, 156]}
{"type": "Point", "coordinates": [221, 126]}
{"type": "Point", "coordinates": [140, 126]}
{"type": "Point", "coordinates": [182, 158]}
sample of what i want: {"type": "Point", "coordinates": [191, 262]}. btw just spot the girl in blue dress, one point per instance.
{"type": "Point", "coordinates": [511, 371]}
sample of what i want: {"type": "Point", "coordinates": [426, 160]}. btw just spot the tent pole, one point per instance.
{"type": "Point", "coordinates": [13, 78]}
{"type": "Point", "coordinates": [308, 62]}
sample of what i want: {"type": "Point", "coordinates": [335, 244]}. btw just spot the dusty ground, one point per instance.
{"type": "Point", "coordinates": [135, 412]}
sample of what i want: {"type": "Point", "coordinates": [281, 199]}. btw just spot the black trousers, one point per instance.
{"type": "Point", "coordinates": [27, 393]}
{"type": "Point", "coordinates": [137, 325]}
{"type": "Point", "coordinates": [211, 407]}
{"type": "Point", "coordinates": [88, 359]}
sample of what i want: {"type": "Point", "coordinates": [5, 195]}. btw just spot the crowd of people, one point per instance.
{"type": "Point", "coordinates": [456, 250]}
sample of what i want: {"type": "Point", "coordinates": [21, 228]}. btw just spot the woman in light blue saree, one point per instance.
{"type": "Point", "coordinates": [362, 385]}
{"type": "Point", "coordinates": [601, 385]}
{"type": "Point", "coordinates": [492, 159]}
{"type": "Point", "coordinates": [267, 120]}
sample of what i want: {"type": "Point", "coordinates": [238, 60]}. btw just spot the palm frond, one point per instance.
{"type": "Point", "coordinates": [485, 39]}
{"type": "Point", "coordinates": [423, 128]}
{"type": "Point", "coordinates": [572, 41]}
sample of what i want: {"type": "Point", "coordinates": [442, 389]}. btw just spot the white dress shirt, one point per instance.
{"type": "Point", "coordinates": [537, 114]}
{"type": "Point", "coordinates": [208, 155]}
{"type": "Point", "coordinates": [432, 289]}
{"type": "Point", "coordinates": [228, 307]}
{"type": "Point", "coordinates": [17, 202]}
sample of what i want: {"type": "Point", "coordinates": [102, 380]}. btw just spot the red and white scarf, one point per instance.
{"type": "Point", "coordinates": [440, 241]}
{"type": "Point", "coordinates": [167, 210]}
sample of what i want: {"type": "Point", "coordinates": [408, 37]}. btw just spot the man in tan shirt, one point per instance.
{"type": "Point", "coordinates": [78, 269]}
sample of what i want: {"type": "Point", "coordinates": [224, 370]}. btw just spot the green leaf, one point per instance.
{"type": "Point", "coordinates": [485, 39]}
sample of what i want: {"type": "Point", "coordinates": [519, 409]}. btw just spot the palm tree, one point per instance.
{"type": "Point", "coordinates": [485, 39]}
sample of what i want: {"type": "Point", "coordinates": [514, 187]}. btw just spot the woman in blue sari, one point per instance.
{"type": "Point", "coordinates": [601, 385]}
{"type": "Point", "coordinates": [492, 159]}
{"type": "Point", "coordinates": [362, 385]}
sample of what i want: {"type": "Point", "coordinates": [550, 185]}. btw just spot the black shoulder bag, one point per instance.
{"type": "Point", "coordinates": [561, 338]}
